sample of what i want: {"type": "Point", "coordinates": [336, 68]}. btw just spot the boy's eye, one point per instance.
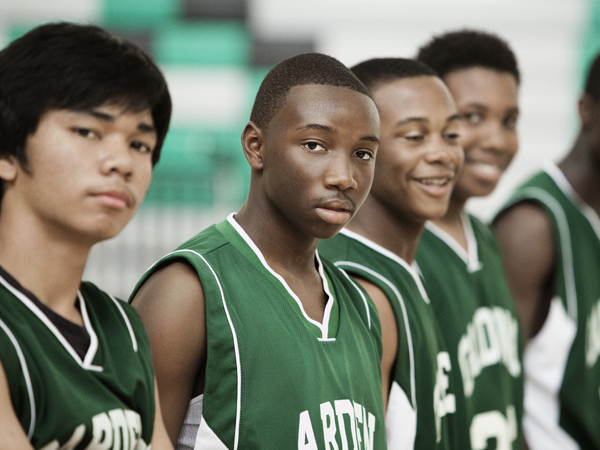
{"type": "Point", "coordinates": [414, 137]}
{"type": "Point", "coordinates": [86, 133]}
{"type": "Point", "coordinates": [313, 146]}
{"type": "Point", "coordinates": [473, 118]}
{"type": "Point", "coordinates": [140, 146]}
{"type": "Point", "coordinates": [510, 122]}
{"type": "Point", "coordinates": [452, 136]}
{"type": "Point", "coordinates": [364, 155]}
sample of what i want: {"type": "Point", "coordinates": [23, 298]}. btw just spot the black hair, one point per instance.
{"type": "Point", "coordinates": [468, 48]}
{"type": "Point", "coordinates": [77, 67]}
{"type": "Point", "coordinates": [383, 70]}
{"type": "Point", "coordinates": [592, 82]}
{"type": "Point", "coordinates": [303, 69]}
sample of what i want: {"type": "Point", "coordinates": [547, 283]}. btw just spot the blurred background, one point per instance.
{"type": "Point", "coordinates": [214, 54]}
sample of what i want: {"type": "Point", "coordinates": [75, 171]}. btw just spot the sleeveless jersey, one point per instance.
{"type": "Point", "coordinates": [275, 378]}
{"type": "Point", "coordinates": [421, 402]}
{"type": "Point", "coordinates": [476, 313]}
{"type": "Point", "coordinates": [562, 391]}
{"type": "Point", "coordinates": [103, 401]}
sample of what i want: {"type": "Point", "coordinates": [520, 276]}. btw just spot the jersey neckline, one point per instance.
{"type": "Point", "coordinates": [324, 331]}
{"type": "Point", "coordinates": [559, 178]}
{"type": "Point", "coordinates": [413, 271]}
{"type": "Point", "coordinates": [28, 299]}
{"type": "Point", "coordinates": [470, 256]}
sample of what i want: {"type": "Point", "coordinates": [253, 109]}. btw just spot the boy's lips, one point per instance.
{"type": "Point", "coordinates": [115, 197]}
{"type": "Point", "coordinates": [336, 211]}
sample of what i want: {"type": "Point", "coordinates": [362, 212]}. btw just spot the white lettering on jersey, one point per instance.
{"type": "Point", "coordinates": [443, 402]}
{"type": "Point", "coordinates": [353, 421]}
{"type": "Point", "coordinates": [493, 425]}
{"type": "Point", "coordinates": [592, 336]}
{"type": "Point", "coordinates": [306, 434]}
{"type": "Point", "coordinates": [491, 338]}
{"type": "Point", "coordinates": [117, 430]}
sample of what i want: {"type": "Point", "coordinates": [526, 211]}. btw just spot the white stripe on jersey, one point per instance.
{"type": "Point", "coordinates": [25, 375]}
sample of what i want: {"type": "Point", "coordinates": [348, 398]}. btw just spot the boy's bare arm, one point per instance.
{"type": "Point", "coordinates": [171, 305]}
{"type": "Point", "coordinates": [528, 250]}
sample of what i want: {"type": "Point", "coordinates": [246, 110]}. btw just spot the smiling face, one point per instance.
{"type": "Point", "coordinates": [317, 159]}
{"type": "Point", "coordinates": [420, 153]}
{"type": "Point", "coordinates": [87, 172]}
{"type": "Point", "coordinates": [487, 100]}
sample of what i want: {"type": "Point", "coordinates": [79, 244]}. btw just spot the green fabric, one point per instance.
{"type": "Point", "coordinates": [292, 378]}
{"type": "Point", "coordinates": [478, 319]}
{"type": "Point", "coordinates": [116, 389]}
{"type": "Point", "coordinates": [577, 284]}
{"type": "Point", "coordinates": [417, 334]}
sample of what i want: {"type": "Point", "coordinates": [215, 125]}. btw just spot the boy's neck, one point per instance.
{"type": "Point", "coordinates": [581, 167]}
{"type": "Point", "coordinates": [49, 268]}
{"type": "Point", "coordinates": [394, 233]}
{"type": "Point", "coordinates": [452, 224]}
{"type": "Point", "coordinates": [282, 245]}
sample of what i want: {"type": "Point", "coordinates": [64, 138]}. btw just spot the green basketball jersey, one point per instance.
{"type": "Point", "coordinates": [562, 391]}
{"type": "Point", "coordinates": [104, 400]}
{"type": "Point", "coordinates": [476, 313]}
{"type": "Point", "coordinates": [421, 401]}
{"type": "Point", "coordinates": [275, 378]}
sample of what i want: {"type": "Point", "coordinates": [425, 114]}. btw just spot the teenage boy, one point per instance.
{"type": "Point", "coordinates": [458, 255]}
{"type": "Point", "coordinates": [82, 119]}
{"type": "Point", "coordinates": [258, 343]}
{"type": "Point", "coordinates": [549, 235]}
{"type": "Point", "coordinates": [418, 161]}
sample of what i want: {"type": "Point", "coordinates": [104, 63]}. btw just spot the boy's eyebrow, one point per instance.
{"type": "Point", "coordinates": [411, 119]}
{"type": "Point", "coordinates": [316, 126]}
{"type": "Point", "coordinates": [425, 120]}
{"type": "Point", "coordinates": [142, 126]}
{"type": "Point", "coordinates": [328, 129]}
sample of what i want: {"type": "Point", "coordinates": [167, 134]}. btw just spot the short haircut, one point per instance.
{"type": "Point", "coordinates": [592, 82]}
{"type": "Point", "coordinates": [464, 49]}
{"type": "Point", "coordinates": [303, 69]}
{"type": "Point", "coordinates": [75, 67]}
{"type": "Point", "coordinates": [375, 72]}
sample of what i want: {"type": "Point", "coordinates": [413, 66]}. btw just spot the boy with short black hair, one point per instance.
{"type": "Point", "coordinates": [549, 234]}
{"type": "Point", "coordinates": [83, 116]}
{"type": "Point", "coordinates": [258, 343]}
{"type": "Point", "coordinates": [417, 164]}
{"type": "Point", "coordinates": [458, 254]}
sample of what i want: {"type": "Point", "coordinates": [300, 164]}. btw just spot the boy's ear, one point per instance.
{"type": "Point", "coordinates": [8, 167]}
{"type": "Point", "coordinates": [588, 109]}
{"type": "Point", "coordinates": [253, 143]}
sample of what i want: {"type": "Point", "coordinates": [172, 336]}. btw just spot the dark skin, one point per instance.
{"type": "Point", "coordinates": [311, 170]}
{"type": "Point", "coordinates": [419, 158]}
{"type": "Point", "coordinates": [487, 100]}
{"type": "Point", "coordinates": [525, 232]}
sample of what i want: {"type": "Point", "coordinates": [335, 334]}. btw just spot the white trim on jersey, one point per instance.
{"type": "Point", "coordinates": [400, 420]}
{"type": "Point", "coordinates": [324, 327]}
{"type": "Point", "coordinates": [93, 348]}
{"type": "Point", "coordinates": [565, 243]}
{"type": "Point", "coordinates": [411, 354]}
{"type": "Point", "coordinates": [127, 322]}
{"type": "Point", "coordinates": [471, 255]}
{"type": "Point", "coordinates": [545, 360]}
{"type": "Point", "coordinates": [26, 375]}
{"type": "Point", "coordinates": [413, 271]}
{"type": "Point", "coordinates": [329, 305]}
{"type": "Point", "coordinates": [206, 439]}
{"type": "Point", "coordinates": [233, 333]}
{"type": "Point", "coordinates": [365, 301]}
{"type": "Point", "coordinates": [561, 181]}
{"type": "Point", "coordinates": [91, 352]}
